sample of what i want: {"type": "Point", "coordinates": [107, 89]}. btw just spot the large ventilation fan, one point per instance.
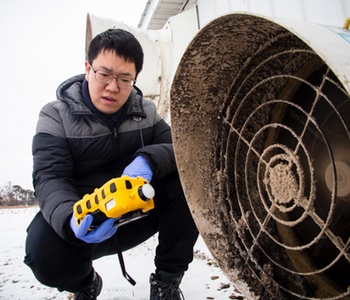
{"type": "Point", "coordinates": [260, 116]}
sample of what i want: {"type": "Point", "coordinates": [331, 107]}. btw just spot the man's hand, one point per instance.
{"type": "Point", "coordinates": [139, 167]}
{"type": "Point", "coordinates": [98, 235]}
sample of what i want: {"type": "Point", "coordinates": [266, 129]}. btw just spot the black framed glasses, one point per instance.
{"type": "Point", "coordinates": [106, 78]}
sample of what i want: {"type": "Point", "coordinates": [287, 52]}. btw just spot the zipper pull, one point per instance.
{"type": "Point", "coordinates": [115, 133]}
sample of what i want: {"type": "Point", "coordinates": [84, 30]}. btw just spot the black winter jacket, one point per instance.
{"type": "Point", "coordinates": [75, 150]}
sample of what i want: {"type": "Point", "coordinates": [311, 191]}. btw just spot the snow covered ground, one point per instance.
{"type": "Point", "coordinates": [204, 280]}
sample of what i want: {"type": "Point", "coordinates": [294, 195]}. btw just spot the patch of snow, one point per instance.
{"type": "Point", "coordinates": [203, 280]}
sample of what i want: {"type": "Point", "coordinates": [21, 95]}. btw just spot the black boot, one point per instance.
{"type": "Point", "coordinates": [93, 290]}
{"type": "Point", "coordinates": [165, 286]}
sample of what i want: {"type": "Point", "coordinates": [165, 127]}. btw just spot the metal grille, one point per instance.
{"type": "Point", "coordinates": [289, 186]}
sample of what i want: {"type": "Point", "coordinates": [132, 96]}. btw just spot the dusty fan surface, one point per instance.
{"type": "Point", "coordinates": [261, 133]}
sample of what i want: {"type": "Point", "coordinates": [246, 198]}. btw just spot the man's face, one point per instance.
{"type": "Point", "coordinates": [109, 98]}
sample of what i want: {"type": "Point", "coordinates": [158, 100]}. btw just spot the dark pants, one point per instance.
{"type": "Point", "coordinates": [60, 264]}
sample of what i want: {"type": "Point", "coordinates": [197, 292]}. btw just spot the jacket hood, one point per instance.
{"type": "Point", "coordinates": [70, 92]}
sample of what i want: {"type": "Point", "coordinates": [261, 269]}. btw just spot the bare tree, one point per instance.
{"type": "Point", "coordinates": [11, 195]}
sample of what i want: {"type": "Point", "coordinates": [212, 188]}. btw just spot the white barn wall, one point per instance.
{"type": "Point", "coordinates": [326, 12]}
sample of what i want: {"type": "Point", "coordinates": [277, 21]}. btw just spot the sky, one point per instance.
{"type": "Point", "coordinates": [42, 44]}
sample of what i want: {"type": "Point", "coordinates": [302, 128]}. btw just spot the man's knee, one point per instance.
{"type": "Point", "coordinates": [51, 258]}
{"type": "Point", "coordinates": [39, 255]}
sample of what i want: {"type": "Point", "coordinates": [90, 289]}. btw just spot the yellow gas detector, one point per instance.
{"type": "Point", "coordinates": [124, 197]}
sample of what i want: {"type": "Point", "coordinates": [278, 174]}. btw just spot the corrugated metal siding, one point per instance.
{"type": "Point", "coordinates": [327, 12]}
{"type": "Point", "coordinates": [157, 13]}
{"type": "Point", "coordinates": [190, 4]}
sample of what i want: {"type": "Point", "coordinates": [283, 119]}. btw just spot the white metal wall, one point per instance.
{"type": "Point", "coordinates": [326, 12]}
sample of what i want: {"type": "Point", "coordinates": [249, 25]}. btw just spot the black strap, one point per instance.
{"type": "Point", "coordinates": [122, 264]}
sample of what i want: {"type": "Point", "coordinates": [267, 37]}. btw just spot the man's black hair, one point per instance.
{"type": "Point", "coordinates": [120, 41]}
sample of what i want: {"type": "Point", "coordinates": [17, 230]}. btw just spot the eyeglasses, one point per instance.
{"type": "Point", "coordinates": [104, 77]}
